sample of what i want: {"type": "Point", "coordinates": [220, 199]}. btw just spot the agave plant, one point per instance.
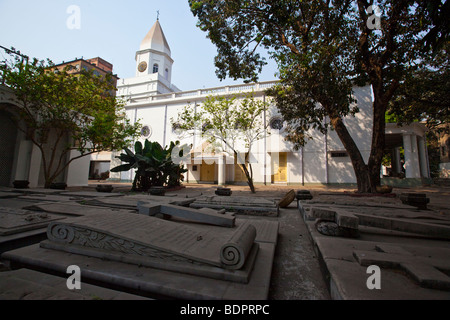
{"type": "Point", "coordinates": [153, 164]}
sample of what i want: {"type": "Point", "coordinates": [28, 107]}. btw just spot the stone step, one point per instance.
{"type": "Point", "coordinates": [24, 284]}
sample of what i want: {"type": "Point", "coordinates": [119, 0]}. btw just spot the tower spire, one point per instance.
{"type": "Point", "coordinates": [156, 40]}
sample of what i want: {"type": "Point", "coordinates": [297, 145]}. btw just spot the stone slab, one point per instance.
{"type": "Point", "coordinates": [353, 218]}
{"type": "Point", "coordinates": [425, 229]}
{"type": "Point", "coordinates": [222, 211]}
{"type": "Point", "coordinates": [287, 199]}
{"type": "Point", "coordinates": [7, 189]}
{"type": "Point", "coordinates": [348, 278]}
{"type": "Point", "coordinates": [428, 272]}
{"type": "Point", "coordinates": [41, 190]}
{"type": "Point", "coordinates": [162, 283]}
{"type": "Point", "coordinates": [266, 230]}
{"type": "Point", "coordinates": [22, 239]}
{"type": "Point", "coordinates": [48, 197]}
{"type": "Point", "coordinates": [146, 240]}
{"type": "Point", "coordinates": [238, 204]}
{"type": "Point", "coordinates": [393, 211]}
{"type": "Point", "coordinates": [73, 209]}
{"type": "Point", "coordinates": [168, 198]}
{"type": "Point", "coordinates": [238, 200]}
{"type": "Point", "coordinates": [341, 217]}
{"type": "Point", "coordinates": [368, 203]}
{"type": "Point", "coordinates": [6, 195]}
{"type": "Point", "coordinates": [213, 218]}
{"type": "Point", "coordinates": [91, 194]}
{"type": "Point", "coordinates": [13, 221]}
{"type": "Point", "coordinates": [130, 202]}
{"type": "Point", "coordinates": [25, 284]}
{"type": "Point", "coordinates": [149, 281]}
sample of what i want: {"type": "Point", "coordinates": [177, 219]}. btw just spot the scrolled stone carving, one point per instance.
{"type": "Point", "coordinates": [231, 255]}
{"type": "Point", "coordinates": [99, 240]}
{"type": "Point", "coordinates": [60, 233]}
{"type": "Point", "coordinates": [235, 251]}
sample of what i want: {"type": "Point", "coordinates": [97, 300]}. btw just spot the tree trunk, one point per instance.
{"type": "Point", "coordinates": [249, 178]}
{"type": "Point", "coordinates": [362, 171]}
{"type": "Point", "coordinates": [378, 140]}
{"type": "Point", "coordinates": [47, 184]}
{"type": "Point", "coordinates": [247, 174]}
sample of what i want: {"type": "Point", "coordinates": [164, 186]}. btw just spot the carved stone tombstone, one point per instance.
{"type": "Point", "coordinates": [149, 241]}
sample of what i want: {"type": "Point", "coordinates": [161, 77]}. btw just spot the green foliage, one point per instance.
{"type": "Point", "coordinates": [424, 95]}
{"type": "Point", "coordinates": [78, 109]}
{"type": "Point", "coordinates": [229, 124]}
{"type": "Point", "coordinates": [154, 165]}
{"type": "Point", "coordinates": [323, 48]}
{"type": "Point", "coordinates": [229, 120]}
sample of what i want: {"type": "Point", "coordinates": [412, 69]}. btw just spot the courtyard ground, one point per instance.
{"type": "Point", "coordinates": [300, 270]}
{"type": "Point", "coordinates": [311, 266]}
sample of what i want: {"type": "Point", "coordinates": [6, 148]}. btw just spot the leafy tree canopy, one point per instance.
{"type": "Point", "coordinates": [231, 124]}
{"type": "Point", "coordinates": [80, 110]}
{"type": "Point", "coordinates": [324, 48]}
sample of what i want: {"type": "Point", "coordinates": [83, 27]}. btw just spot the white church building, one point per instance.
{"type": "Point", "coordinates": [152, 99]}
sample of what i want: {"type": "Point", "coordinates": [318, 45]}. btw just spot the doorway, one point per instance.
{"type": "Point", "coordinates": [279, 167]}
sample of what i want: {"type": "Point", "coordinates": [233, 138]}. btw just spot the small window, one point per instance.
{"type": "Point", "coordinates": [339, 154]}
{"type": "Point", "coordinates": [155, 68]}
{"type": "Point", "coordinates": [146, 131]}
{"type": "Point", "coordinates": [167, 73]}
{"type": "Point", "coordinates": [194, 168]}
{"type": "Point", "coordinates": [276, 123]}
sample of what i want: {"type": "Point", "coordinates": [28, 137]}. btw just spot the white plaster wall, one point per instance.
{"type": "Point", "coordinates": [78, 170]}
{"type": "Point", "coordinates": [22, 166]}
{"type": "Point", "coordinates": [193, 176]}
{"type": "Point", "coordinates": [314, 168]}
{"type": "Point", "coordinates": [101, 156]}
{"type": "Point", "coordinates": [143, 57]}
{"type": "Point", "coordinates": [340, 170]}
{"type": "Point", "coordinates": [294, 167]}
{"type": "Point", "coordinates": [258, 167]}
{"type": "Point", "coordinates": [153, 117]}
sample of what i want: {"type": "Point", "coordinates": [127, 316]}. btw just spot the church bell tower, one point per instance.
{"type": "Point", "coordinates": [154, 56]}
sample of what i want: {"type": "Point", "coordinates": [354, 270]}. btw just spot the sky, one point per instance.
{"type": "Point", "coordinates": [113, 30]}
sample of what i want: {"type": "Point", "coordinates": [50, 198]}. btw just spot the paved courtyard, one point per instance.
{"type": "Point", "coordinates": [309, 265]}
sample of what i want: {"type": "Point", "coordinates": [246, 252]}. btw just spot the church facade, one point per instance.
{"type": "Point", "coordinates": [152, 99]}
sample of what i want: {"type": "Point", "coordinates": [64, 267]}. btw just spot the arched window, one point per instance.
{"type": "Point", "coordinates": [167, 73]}
{"type": "Point", "coordinates": [155, 68]}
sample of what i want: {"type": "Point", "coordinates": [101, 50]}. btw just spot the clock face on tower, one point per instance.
{"type": "Point", "coordinates": [142, 66]}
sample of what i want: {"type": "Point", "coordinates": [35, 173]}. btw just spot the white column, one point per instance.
{"type": "Point", "coordinates": [407, 148]}
{"type": "Point", "coordinates": [423, 156]}
{"type": "Point", "coordinates": [415, 156]}
{"type": "Point", "coordinates": [35, 166]}
{"type": "Point", "coordinates": [222, 170]}
{"type": "Point", "coordinates": [396, 161]}
{"type": "Point", "coordinates": [23, 160]}
{"type": "Point", "coordinates": [325, 139]}
{"type": "Point", "coordinates": [411, 156]}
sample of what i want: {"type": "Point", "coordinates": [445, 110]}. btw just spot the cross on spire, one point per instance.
{"type": "Point", "coordinates": [157, 16]}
